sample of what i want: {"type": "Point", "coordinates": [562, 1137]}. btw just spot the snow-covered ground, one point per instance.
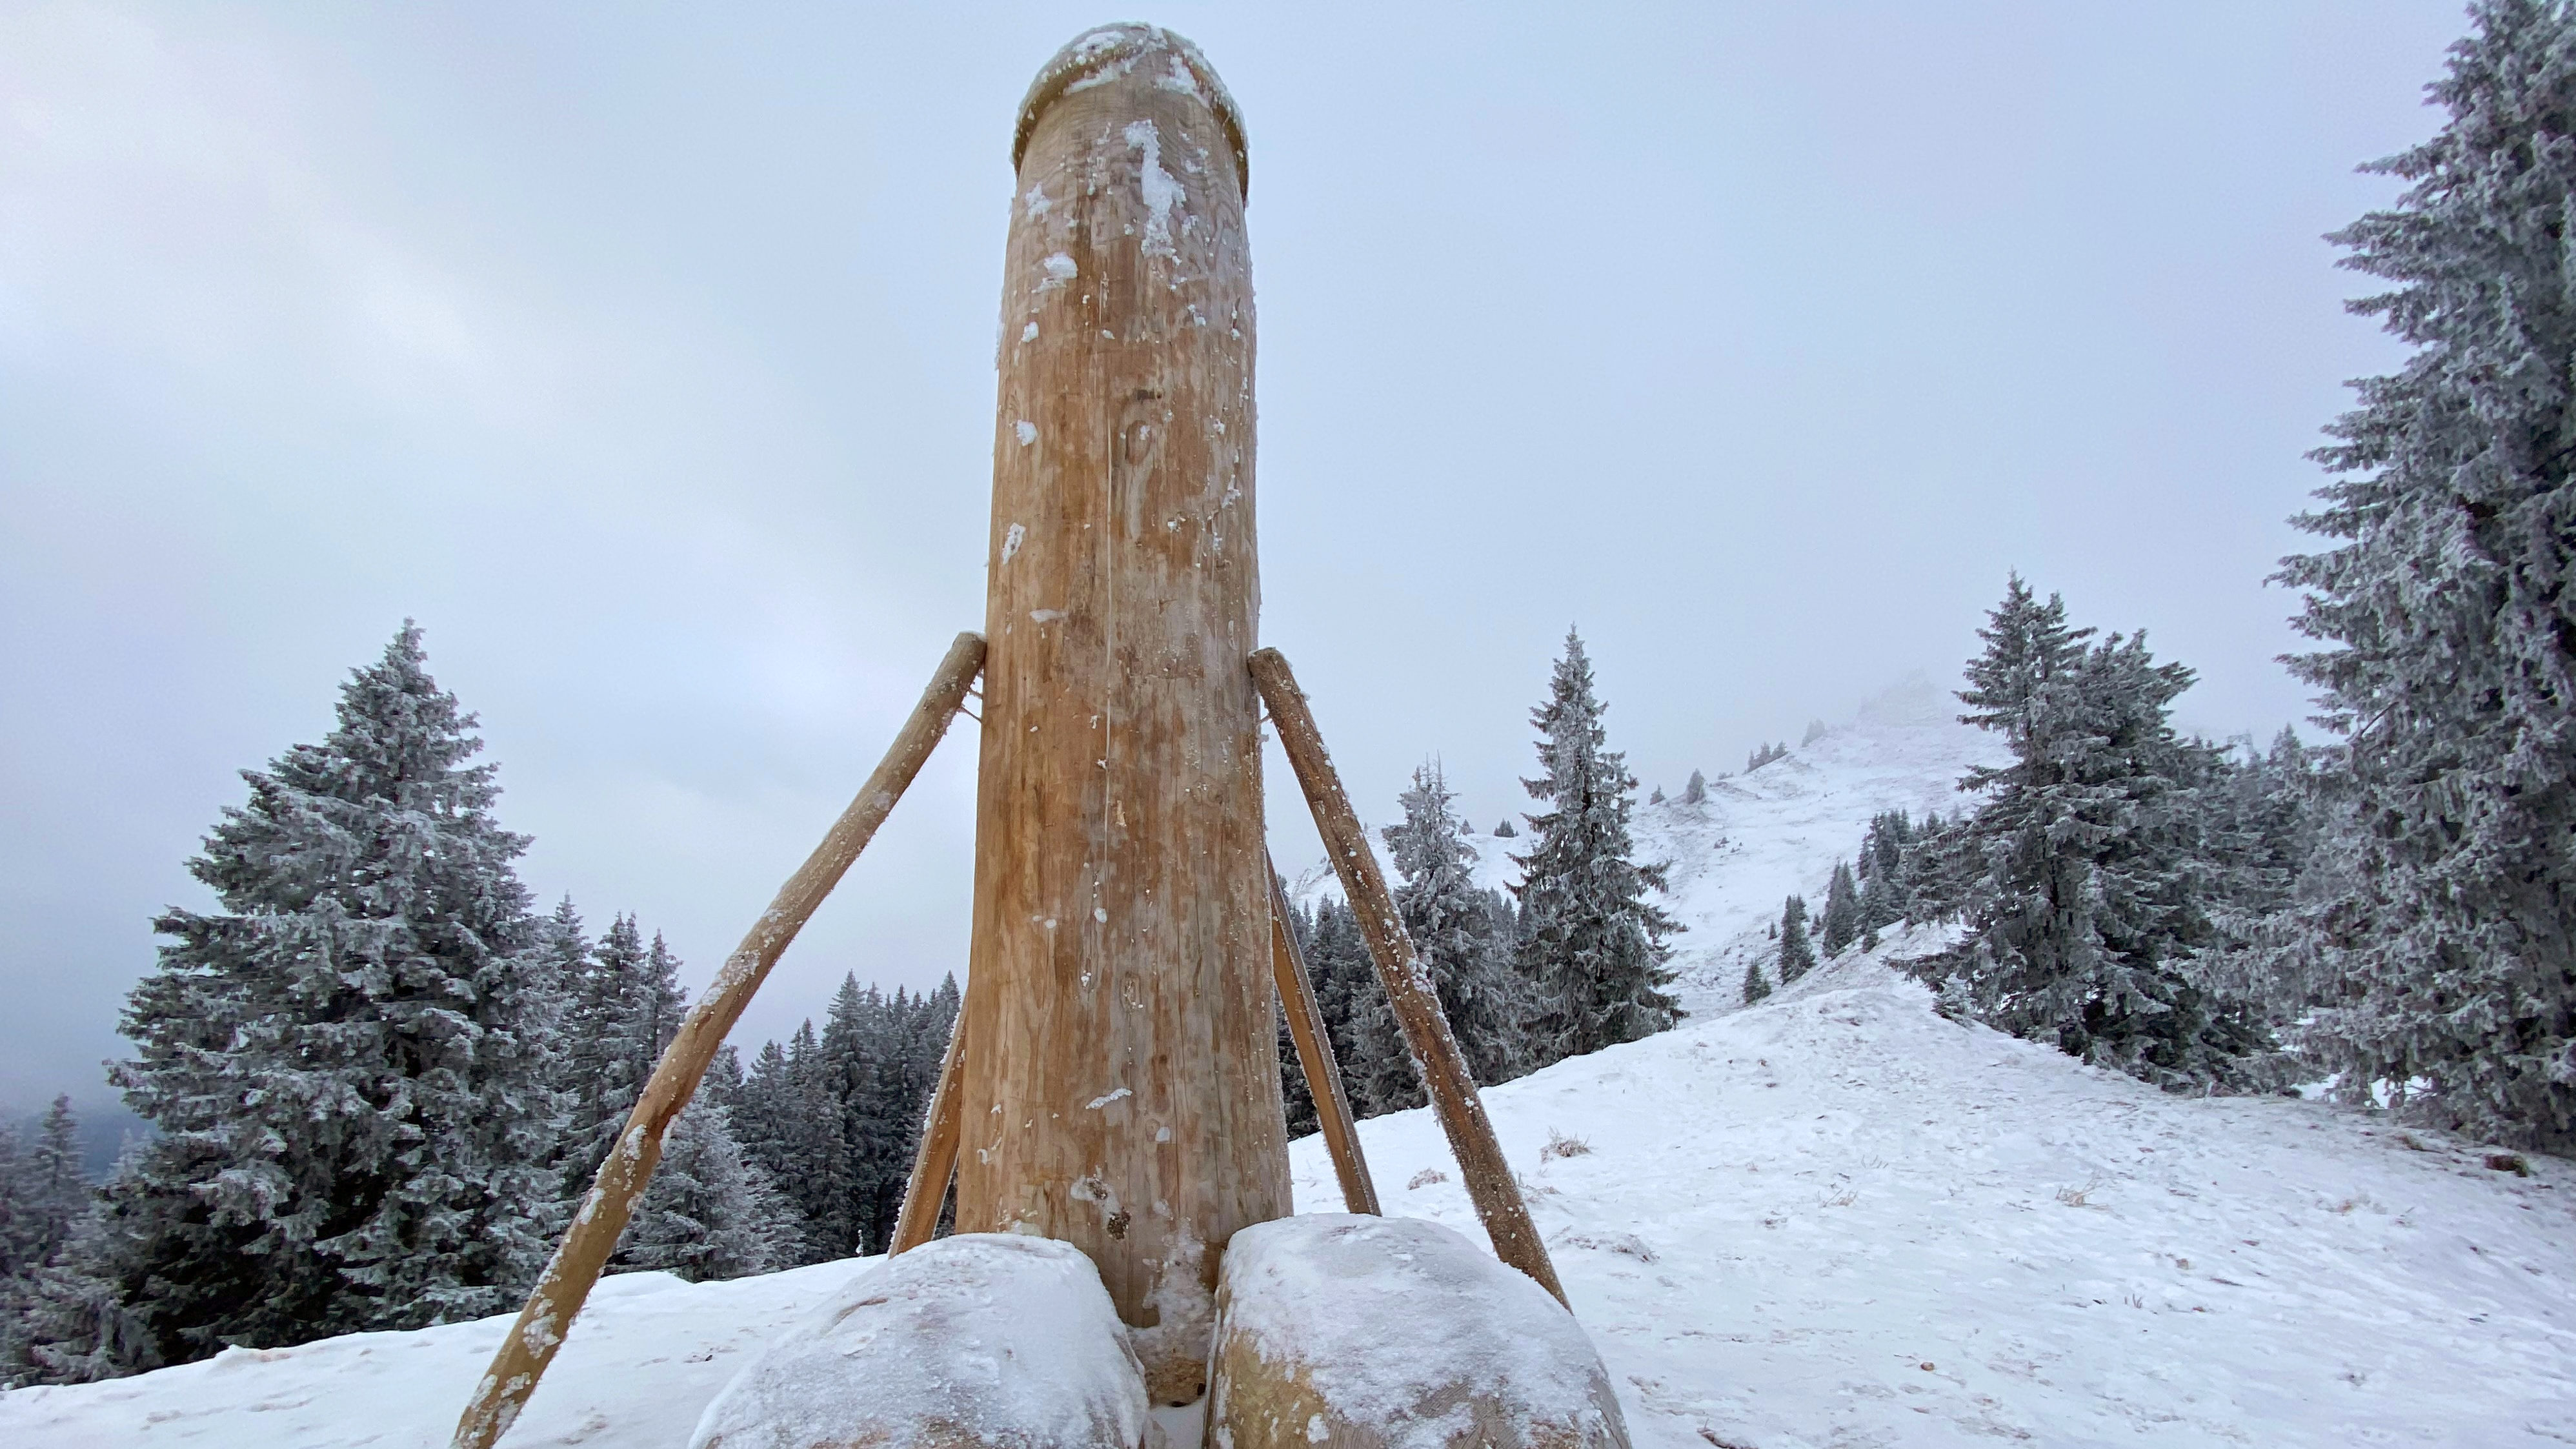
{"type": "Point", "coordinates": [1833, 1219]}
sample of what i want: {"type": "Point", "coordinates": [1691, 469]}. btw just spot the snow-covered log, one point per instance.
{"type": "Point", "coordinates": [983, 1339]}
{"type": "Point", "coordinates": [1339, 1331]}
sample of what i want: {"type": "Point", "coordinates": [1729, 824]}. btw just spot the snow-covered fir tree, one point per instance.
{"type": "Point", "coordinates": [42, 1192]}
{"type": "Point", "coordinates": [1841, 925]}
{"type": "Point", "coordinates": [833, 1119]}
{"type": "Point", "coordinates": [1380, 1071]}
{"type": "Point", "coordinates": [43, 1198]}
{"type": "Point", "coordinates": [625, 1005]}
{"type": "Point", "coordinates": [2449, 665]}
{"type": "Point", "coordinates": [1755, 987]}
{"type": "Point", "coordinates": [347, 1060]}
{"type": "Point", "coordinates": [1924, 871]}
{"type": "Point", "coordinates": [1346, 986]}
{"type": "Point", "coordinates": [74, 1324]}
{"type": "Point", "coordinates": [2260, 821]}
{"type": "Point", "coordinates": [1882, 870]}
{"type": "Point", "coordinates": [1454, 931]}
{"type": "Point", "coordinates": [1797, 953]}
{"type": "Point", "coordinates": [1592, 944]}
{"type": "Point", "coordinates": [708, 1213]}
{"type": "Point", "coordinates": [2083, 878]}
{"type": "Point", "coordinates": [1696, 792]}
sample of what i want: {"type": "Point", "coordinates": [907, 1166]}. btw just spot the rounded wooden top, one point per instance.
{"type": "Point", "coordinates": [1108, 52]}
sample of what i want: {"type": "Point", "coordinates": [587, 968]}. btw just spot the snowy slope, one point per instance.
{"type": "Point", "coordinates": [1759, 838]}
{"type": "Point", "coordinates": [1833, 1219]}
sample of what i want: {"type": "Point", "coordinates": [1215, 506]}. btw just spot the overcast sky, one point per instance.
{"type": "Point", "coordinates": [644, 355]}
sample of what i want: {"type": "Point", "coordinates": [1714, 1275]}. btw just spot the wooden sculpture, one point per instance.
{"type": "Point", "coordinates": [1113, 1082]}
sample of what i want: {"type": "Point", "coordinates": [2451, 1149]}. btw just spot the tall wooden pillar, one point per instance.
{"type": "Point", "coordinates": [1125, 1094]}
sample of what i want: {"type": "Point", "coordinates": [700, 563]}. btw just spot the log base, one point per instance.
{"type": "Point", "coordinates": [1351, 1332]}
{"type": "Point", "coordinates": [980, 1341]}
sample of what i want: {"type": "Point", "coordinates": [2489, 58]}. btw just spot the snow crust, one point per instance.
{"type": "Point", "coordinates": [982, 1338]}
{"type": "Point", "coordinates": [1392, 1317]}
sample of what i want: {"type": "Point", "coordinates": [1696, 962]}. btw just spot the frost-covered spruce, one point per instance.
{"type": "Point", "coordinates": [345, 1060]}
{"type": "Point", "coordinates": [1453, 930]}
{"type": "Point", "coordinates": [1882, 870]}
{"type": "Point", "coordinates": [833, 1119]}
{"type": "Point", "coordinates": [1755, 987]}
{"type": "Point", "coordinates": [2450, 625]}
{"type": "Point", "coordinates": [2083, 877]}
{"type": "Point", "coordinates": [43, 1198]}
{"type": "Point", "coordinates": [71, 1323]}
{"type": "Point", "coordinates": [1842, 910]}
{"type": "Point", "coordinates": [708, 1213]}
{"type": "Point", "coordinates": [625, 1004]}
{"type": "Point", "coordinates": [42, 1192]}
{"type": "Point", "coordinates": [1696, 792]}
{"type": "Point", "coordinates": [1345, 985]}
{"type": "Point", "coordinates": [1592, 945]}
{"type": "Point", "coordinates": [1381, 1072]}
{"type": "Point", "coordinates": [1797, 953]}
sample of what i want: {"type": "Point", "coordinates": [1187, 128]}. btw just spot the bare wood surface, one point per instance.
{"type": "Point", "coordinates": [1125, 1093]}
{"type": "Point", "coordinates": [935, 1161]}
{"type": "Point", "coordinates": [585, 1249]}
{"type": "Point", "coordinates": [1315, 1055]}
{"type": "Point", "coordinates": [1417, 1007]}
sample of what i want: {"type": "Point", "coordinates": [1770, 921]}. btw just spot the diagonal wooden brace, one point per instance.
{"type": "Point", "coordinates": [586, 1246]}
{"type": "Point", "coordinates": [1315, 1056]}
{"type": "Point", "coordinates": [1408, 988]}
{"type": "Point", "coordinates": [934, 1162]}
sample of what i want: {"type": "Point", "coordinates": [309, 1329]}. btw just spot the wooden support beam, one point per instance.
{"type": "Point", "coordinates": [1417, 1008]}
{"type": "Point", "coordinates": [935, 1161]}
{"type": "Point", "coordinates": [1315, 1055]}
{"type": "Point", "coordinates": [585, 1249]}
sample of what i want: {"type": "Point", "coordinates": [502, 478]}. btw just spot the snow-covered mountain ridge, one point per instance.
{"type": "Point", "coordinates": [1832, 1219]}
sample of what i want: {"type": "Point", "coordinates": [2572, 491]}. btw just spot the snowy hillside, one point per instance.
{"type": "Point", "coordinates": [1835, 1218]}
{"type": "Point", "coordinates": [1764, 836]}
{"type": "Point", "coordinates": [1832, 1219]}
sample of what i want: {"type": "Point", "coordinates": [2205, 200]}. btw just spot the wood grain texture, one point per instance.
{"type": "Point", "coordinates": [1315, 1057]}
{"type": "Point", "coordinates": [575, 1268]}
{"type": "Point", "coordinates": [1436, 1057]}
{"type": "Point", "coordinates": [934, 1162]}
{"type": "Point", "coordinates": [1118, 1000]}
